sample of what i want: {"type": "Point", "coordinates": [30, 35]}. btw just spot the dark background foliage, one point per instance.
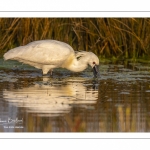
{"type": "Point", "coordinates": [106, 37]}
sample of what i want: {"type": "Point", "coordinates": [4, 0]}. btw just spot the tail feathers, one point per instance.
{"type": "Point", "coordinates": [13, 53]}
{"type": "Point", "coordinates": [8, 55]}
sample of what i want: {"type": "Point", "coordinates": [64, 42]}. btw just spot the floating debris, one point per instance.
{"type": "Point", "coordinates": [147, 91]}
{"type": "Point", "coordinates": [126, 93]}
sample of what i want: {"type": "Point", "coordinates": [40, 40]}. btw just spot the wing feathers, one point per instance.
{"type": "Point", "coordinates": [43, 52]}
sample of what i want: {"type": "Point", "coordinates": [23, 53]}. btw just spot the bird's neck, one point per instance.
{"type": "Point", "coordinates": [75, 65]}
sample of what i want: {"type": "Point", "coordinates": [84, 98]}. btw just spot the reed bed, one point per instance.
{"type": "Point", "coordinates": [106, 37]}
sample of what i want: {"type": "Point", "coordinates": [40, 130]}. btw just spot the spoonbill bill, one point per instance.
{"type": "Point", "coordinates": [50, 54]}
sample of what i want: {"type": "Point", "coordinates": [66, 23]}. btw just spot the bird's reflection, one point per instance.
{"type": "Point", "coordinates": [95, 84]}
{"type": "Point", "coordinates": [52, 99]}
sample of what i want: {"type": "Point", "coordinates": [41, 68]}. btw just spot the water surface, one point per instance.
{"type": "Point", "coordinates": [74, 102]}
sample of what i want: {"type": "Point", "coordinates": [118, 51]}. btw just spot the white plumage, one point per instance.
{"type": "Point", "coordinates": [50, 54]}
{"type": "Point", "coordinates": [52, 100]}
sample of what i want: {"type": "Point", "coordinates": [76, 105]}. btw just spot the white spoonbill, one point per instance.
{"type": "Point", "coordinates": [50, 54]}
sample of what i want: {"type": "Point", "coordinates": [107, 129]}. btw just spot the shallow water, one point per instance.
{"type": "Point", "coordinates": [74, 102]}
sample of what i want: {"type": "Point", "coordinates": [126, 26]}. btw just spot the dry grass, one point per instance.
{"type": "Point", "coordinates": [107, 37]}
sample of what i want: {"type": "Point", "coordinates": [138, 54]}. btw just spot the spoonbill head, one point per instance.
{"type": "Point", "coordinates": [50, 54]}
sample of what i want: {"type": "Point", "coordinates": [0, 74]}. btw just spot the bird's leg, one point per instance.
{"type": "Point", "coordinates": [45, 70]}
{"type": "Point", "coordinates": [51, 72]}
